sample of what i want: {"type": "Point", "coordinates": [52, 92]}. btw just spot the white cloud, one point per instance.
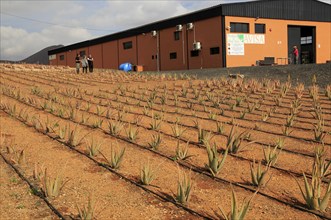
{"type": "Point", "coordinates": [18, 44]}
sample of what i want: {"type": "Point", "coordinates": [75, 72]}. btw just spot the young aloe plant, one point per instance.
{"type": "Point", "coordinates": [214, 163]}
{"type": "Point", "coordinates": [147, 175]}
{"type": "Point", "coordinates": [203, 136]}
{"type": "Point", "coordinates": [237, 213]}
{"type": "Point", "coordinates": [73, 139]}
{"type": "Point", "coordinates": [184, 188]}
{"type": "Point", "coordinates": [182, 152]}
{"type": "Point", "coordinates": [156, 141]}
{"type": "Point", "coordinates": [52, 186]}
{"type": "Point", "coordinates": [38, 172]}
{"type": "Point", "coordinates": [177, 130]}
{"type": "Point", "coordinates": [312, 191]}
{"type": "Point", "coordinates": [132, 133]}
{"type": "Point", "coordinates": [319, 132]}
{"type": "Point", "coordinates": [271, 155]}
{"type": "Point", "coordinates": [234, 140]}
{"type": "Point", "coordinates": [259, 176]}
{"type": "Point", "coordinates": [115, 127]}
{"type": "Point", "coordinates": [93, 147]}
{"type": "Point", "coordinates": [87, 212]}
{"type": "Point", "coordinates": [220, 127]}
{"type": "Point", "coordinates": [116, 157]}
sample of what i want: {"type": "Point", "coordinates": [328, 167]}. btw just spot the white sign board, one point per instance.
{"type": "Point", "coordinates": [235, 44]}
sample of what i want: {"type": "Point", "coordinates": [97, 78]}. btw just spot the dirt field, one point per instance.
{"type": "Point", "coordinates": [74, 126]}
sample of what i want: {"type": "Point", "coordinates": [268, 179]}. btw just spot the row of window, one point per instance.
{"type": "Point", "coordinates": [173, 55]}
{"type": "Point", "coordinates": [236, 27]}
{"type": "Point", "coordinates": [195, 53]}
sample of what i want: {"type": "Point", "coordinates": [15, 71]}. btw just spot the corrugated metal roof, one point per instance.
{"type": "Point", "coordinates": [305, 10]}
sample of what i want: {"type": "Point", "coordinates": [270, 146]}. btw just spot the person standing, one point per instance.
{"type": "Point", "coordinates": [295, 55]}
{"type": "Point", "coordinates": [84, 64]}
{"type": "Point", "coordinates": [90, 63]}
{"type": "Point", "coordinates": [77, 63]}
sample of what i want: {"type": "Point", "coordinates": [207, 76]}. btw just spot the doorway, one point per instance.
{"type": "Point", "coordinates": [304, 37]}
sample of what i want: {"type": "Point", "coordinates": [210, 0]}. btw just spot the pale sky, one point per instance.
{"type": "Point", "coordinates": [29, 26]}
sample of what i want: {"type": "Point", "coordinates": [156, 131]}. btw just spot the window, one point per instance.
{"type": "Point", "coordinates": [194, 53]}
{"type": "Point", "coordinates": [152, 57]}
{"type": "Point", "coordinates": [127, 45]}
{"type": "Point", "coordinates": [307, 40]}
{"type": "Point", "coordinates": [214, 50]}
{"type": "Point", "coordinates": [173, 55]}
{"type": "Point", "coordinates": [176, 35]}
{"type": "Point", "coordinates": [259, 28]}
{"type": "Point", "coordinates": [239, 27]}
{"type": "Point", "coordinates": [61, 57]}
{"type": "Point", "coordinates": [82, 53]}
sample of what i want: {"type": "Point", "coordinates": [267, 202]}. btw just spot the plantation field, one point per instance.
{"type": "Point", "coordinates": [113, 145]}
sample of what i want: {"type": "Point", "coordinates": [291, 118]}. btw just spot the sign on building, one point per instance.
{"type": "Point", "coordinates": [236, 42]}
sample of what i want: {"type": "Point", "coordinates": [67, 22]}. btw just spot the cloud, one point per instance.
{"type": "Point", "coordinates": [18, 44]}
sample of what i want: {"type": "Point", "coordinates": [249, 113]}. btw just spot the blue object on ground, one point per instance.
{"type": "Point", "coordinates": [125, 67]}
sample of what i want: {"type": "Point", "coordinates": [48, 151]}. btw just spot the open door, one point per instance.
{"type": "Point", "coordinates": [304, 37]}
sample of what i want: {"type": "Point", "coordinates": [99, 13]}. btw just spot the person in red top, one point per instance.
{"type": "Point", "coordinates": [295, 55]}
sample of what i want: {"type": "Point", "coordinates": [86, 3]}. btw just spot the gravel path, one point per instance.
{"type": "Point", "coordinates": [299, 73]}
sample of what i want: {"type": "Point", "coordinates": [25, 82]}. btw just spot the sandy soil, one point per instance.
{"type": "Point", "coordinates": [46, 94]}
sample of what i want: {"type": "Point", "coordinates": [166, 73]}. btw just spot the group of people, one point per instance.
{"type": "Point", "coordinates": [87, 62]}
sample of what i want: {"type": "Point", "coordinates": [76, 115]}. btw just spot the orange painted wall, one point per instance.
{"type": "Point", "coordinates": [127, 55]}
{"type": "Point", "coordinates": [209, 33]}
{"type": "Point", "coordinates": [168, 45]}
{"type": "Point", "coordinates": [323, 42]}
{"type": "Point", "coordinates": [147, 51]}
{"type": "Point", "coordinates": [109, 55]}
{"type": "Point", "coordinates": [276, 43]}
{"type": "Point", "coordinates": [96, 52]}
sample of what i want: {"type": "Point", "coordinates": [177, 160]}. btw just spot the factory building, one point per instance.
{"type": "Point", "coordinates": [227, 35]}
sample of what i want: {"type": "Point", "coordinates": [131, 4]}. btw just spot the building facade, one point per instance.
{"type": "Point", "coordinates": [227, 35]}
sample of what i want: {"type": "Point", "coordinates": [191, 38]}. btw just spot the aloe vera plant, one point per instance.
{"type": "Point", "coordinates": [214, 163]}
{"type": "Point", "coordinates": [312, 193]}
{"type": "Point", "coordinates": [52, 186]}
{"type": "Point", "coordinates": [19, 158]}
{"type": "Point", "coordinates": [93, 147]}
{"type": "Point", "coordinates": [87, 212]}
{"type": "Point", "coordinates": [258, 175]}
{"type": "Point", "coordinates": [38, 172]}
{"type": "Point", "coordinates": [271, 155]}
{"type": "Point", "coordinates": [132, 133]}
{"type": "Point", "coordinates": [177, 130]}
{"type": "Point", "coordinates": [203, 136]}
{"type": "Point", "coordinates": [184, 188]}
{"type": "Point", "coordinates": [155, 124]}
{"type": "Point", "coordinates": [312, 190]}
{"type": "Point", "coordinates": [319, 133]}
{"type": "Point", "coordinates": [115, 127]}
{"type": "Point", "coordinates": [156, 141]}
{"type": "Point", "coordinates": [73, 139]}
{"type": "Point", "coordinates": [147, 174]}
{"type": "Point", "coordinates": [237, 213]}
{"type": "Point", "coordinates": [234, 140]}
{"type": "Point", "coordinates": [182, 152]}
{"type": "Point", "coordinates": [116, 157]}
